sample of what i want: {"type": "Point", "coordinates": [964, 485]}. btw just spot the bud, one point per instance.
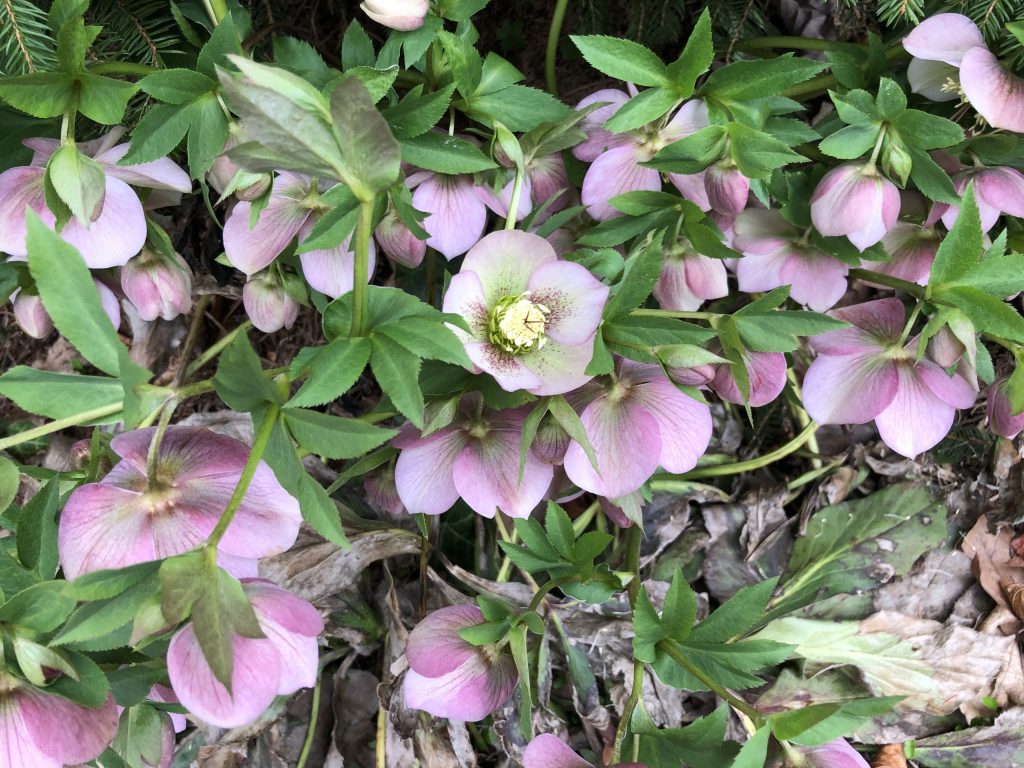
{"type": "Point", "coordinates": [896, 159]}
{"type": "Point", "coordinates": [227, 178]}
{"type": "Point", "coordinates": [727, 188]}
{"type": "Point", "coordinates": [158, 286]}
{"type": "Point", "coordinates": [1001, 418]}
{"type": "Point", "coordinates": [855, 201]}
{"type": "Point", "coordinates": [403, 15]}
{"type": "Point", "coordinates": [32, 315]}
{"type": "Point", "coordinates": [551, 442]}
{"type": "Point", "coordinates": [268, 304]}
{"type": "Point", "coordinates": [399, 242]}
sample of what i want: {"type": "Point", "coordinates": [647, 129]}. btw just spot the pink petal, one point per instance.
{"type": "Point", "coordinates": [254, 680]}
{"type": "Point", "coordinates": [912, 250]}
{"type": "Point", "coordinates": [500, 202]}
{"type": "Point", "coordinates": [510, 371]}
{"type": "Point", "coordinates": [331, 271]}
{"type": "Point", "coordinates": [434, 647]}
{"type": "Point", "coordinates": [468, 694]}
{"type": "Point", "coordinates": [953, 390]}
{"type": "Point", "coordinates": [838, 753]}
{"type": "Point", "coordinates": [863, 206]}
{"type": "Point", "coordinates": [727, 188]}
{"type": "Point", "coordinates": [916, 419]}
{"type": "Point", "coordinates": [706, 277]}
{"type": "Point", "coordinates": [762, 232]}
{"type": "Point", "coordinates": [672, 289]}
{"type": "Point", "coordinates": [158, 174]}
{"type": "Point", "coordinates": [62, 730]}
{"type": "Point", "coordinates": [465, 297]}
{"type": "Point", "coordinates": [931, 78]}
{"type": "Point", "coordinates": [875, 325]}
{"type": "Point", "coordinates": [598, 139]}
{"type": "Point", "coordinates": [757, 272]}
{"type": "Point", "coordinates": [616, 172]}
{"type": "Point", "coordinates": [945, 37]}
{"type": "Point", "coordinates": [111, 306]}
{"type": "Point", "coordinates": [251, 249]}
{"type": "Point", "coordinates": [690, 118]}
{"type": "Point", "coordinates": [767, 373]}
{"type": "Point", "coordinates": [267, 304]}
{"type": "Point", "coordinates": [549, 180]}
{"type": "Point", "coordinates": [457, 215]}
{"type": "Point", "coordinates": [818, 280]}
{"type": "Point", "coordinates": [574, 297]}
{"type": "Point", "coordinates": [292, 625]}
{"type": "Point", "coordinates": [505, 262]}
{"type": "Point", "coordinates": [486, 475]}
{"type": "Point", "coordinates": [117, 235]}
{"type": "Point", "coordinates": [17, 748]}
{"type": "Point", "coordinates": [399, 243]}
{"type": "Point", "coordinates": [627, 440]}
{"type": "Point", "coordinates": [187, 452]}
{"type": "Point", "coordinates": [558, 368]}
{"type": "Point", "coordinates": [852, 389]}
{"type": "Point", "coordinates": [996, 93]}
{"type": "Point", "coordinates": [1001, 188]}
{"type": "Point", "coordinates": [423, 473]}
{"type": "Point", "coordinates": [31, 315]}
{"type": "Point", "coordinates": [683, 422]}
{"type": "Point", "coordinates": [692, 187]}
{"type": "Point", "coordinates": [20, 189]}
{"type": "Point", "coordinates": [548, 751]}
{"type": "Point", "coordinates": [1001, 418]}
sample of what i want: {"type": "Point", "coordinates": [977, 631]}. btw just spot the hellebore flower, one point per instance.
{"type": "Point", "coordinates": [726, 187]}
{"type": "Point", "coordinates": [158, 285]}
{"type": "Point", "coordinates": [457, 214]}
{"type": "Point", "coordinates": [532, 317]}
{"type": "Point", "coordinates": [448, 676]}
{"type": "Point", "coordinates": [267, 303]}
{"type": "Point", "coordinates": [856, 201]}
{"type": "Point", "coordinates": [41, 730]}
{"type": "Point", "coordinates": [996, 191]}
{"type": "Point", "coordinates": [767, 374]}
{"type": "Point", "coordinates": [403, 15]}
{"type": "Point", "coordinates": [912, 250]}
{"type": "Point", "coordinates": [227, 178]}
{"type": "Point", "coordinates": [119, 230]}
{"type": "Point", "coordinates": [548, 751]}
{"type": "Point", "coordinates": [546, 179]}
{"type": "Point", "coordinates": [688, 279]}
{"type": "Point", "coordinates": [125, 519]}
{"type": "Point", "coordinates": [636, 421]}
{"type": "Point", "coordinates": [399, 242]}
{"type": "Point", "coordinates": [31, 315]}
{"type": "Point", "coordinates": [864, 372]}
{"type": "Point", "coordinates": [834, 754]}
{"type": "Point", "coordinates": [948, 42]}
{"type": "Point", "coordinates": [280, 663]}
{"type": "Point", "coordinates": [477, 458]}
{"type": "Point", "coordinates": [777, 254]}
{"type": "Point", "coordinates": [292, 212]}
{"type": "Point", "coordinates": [1001, 418]}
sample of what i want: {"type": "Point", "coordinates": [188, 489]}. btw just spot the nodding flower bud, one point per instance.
{"type": "Point", "coordinates": [727, 188]}
{"type": "Point", "coordinates": [551, 442]}
{"type": "Point", "coordinates": [403, 15]}
{"type": "Point", "coordinates": [834, 754]}
{"type": "Point", "coordinates": [856, 201]}
{"type": "Point", "coordinates": [158, 285]}
{"type": "Point", "coordinates": [228, 179]}
{"type": "Point", "coordinates": [1001, 418]}
{"type": "Point", "coordinates": [268, 304]}
{"type": "Point", "coordinates": [32, 315]}
{"type": "Point", "coordinates": [399, 242]}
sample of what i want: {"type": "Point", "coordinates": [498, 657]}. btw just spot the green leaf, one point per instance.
{"type": "Point", "coordinates": [42, 607]}
{"type": "Point", "coordinates": [10, 479]}
{"type": "Point", "coordinates": [644, 108]}
{"type": "Point", "coordinates": [789, 725]}
{"type": "Point", "coordinates": [520, 655]}
{"type": "Point", "coordinates": [431, 341]}
{"type": "Point", "coordinates": [224, 41]}
{"type": "Point", "coordinates": [79, 181]}
{"type": "Point", "coordinates": [103, 99]}
{"type": "Point", "coordinates": [559, 530]}
{"type": "Point", "coordinates": [757, 154]}
{"type": "Point", "coordinates": [754, 753]}
{"type": "Point", "coordinates": [222, 611]}
{"type": "Point", "coordinates": [334, 437]}
{"type": "Point", "coordinates": [933, 182]}
{"type": "Point", "coordinates": [101, 585]}
{"type": "Point", "coordinates": [301, 58]}
{"type": "Point", "coordinates": [180, 586]}
{"type": "Point", "coordinates": [517, 107]}
{"type": "Point", "coordinates": [927, 131]}
{"type": "Point", "coordinates": [357, 47]}
{"type": "Point", "coordinates": [963, 246]}
{"type": "Point", "coordinates": [332, 372]}
{"type": "Point", "coordinates": [60, 395]}
{"type": "Point", "coordinates": [176, 86]}
{"type": "Point", "coordinates": [139, 736]}
{"type": "Point", "coordinates": [239, 380]}
{"type": "Point", "coordinates": [442, 153]}
{"type": "Point", "coordinates": [680, 609]}
{"type": "Point", "coordinates": [692, 154]}
{"type": "Point", "coordinates": [988, 313]}
{"type": "Point", "coordinates": [465, 62]}
{"type": "Point", "coordinates": [488, 633]}
{"type": "Point", "coordinates": [535, 538]}
{"type": "Point", "coordinates": [40, 94]}
{"type": "Point", "coordinates": [737, 615]}
{"type": "Point", "coordinates": [397, 370]}
{"type": "Point", "coordinates": [1001, 276]}
{"type": "Point", "coordinates": [69, 295]}
{"type": "Point", "coordinates": [891, 102]}
{"type": "Point", "coordinates": [647, 628]}
{"type": "Point", "coordinates": [641, 273]}
{"type": "Point", "coordinates": [99, 618]}
{"type": "Point", "coordinates": [850, 142]}
{"type": "Point", "coordinates": [90, 689]}
{"type": "Point", "coordinates": [37, 530]}
{"type": "Point", "coordinates": [759, 78]}
{"type": "Point", "coordinates": [370, 153]}
{"type": "Point", "coordinates": [569, 420]}
{"type": "Point", "coordinates": [622, 59]}
{"type": "Point", "coordinates": [696, 58]}
{"type": "Point", "coordinates": [416, 113]}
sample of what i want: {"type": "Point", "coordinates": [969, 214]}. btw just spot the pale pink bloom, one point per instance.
{"type": "Point", "coordinates": [41, 730]}
{"type": "Point", "coordinates": [278, 664]}
{"type": "Point", "coordinates": [382, 492]}
{"type": "Point", "coordinates": [449, 677]}
{"type": "Point", "coordinates": [546, 180]}
{"type": "Point", "coordinates": [457, 214]}
{"type": "Point", "coordinates": [776, 254]}
{"type": "Point", "coordinates": [1001, 418]}
{"type": "Point", "coordinates": [398, 241]}
{"type": "Point", "coordinates": [995, 93]}
{"type": "Point", "coordinates": [767, 374]}
{"type": "Point", "coordinates": [403, 15]}
{"type": "Point", "coordinates": [476, 458]}
{"type": "Point", "coordinates": [31, 315]}
{"type": "Point", "coordinates": [912, 250]}
{"type": "Point", "coordinates": [164, 695]}
{"type": "Point", "coordinates": [532, 317]}
{"type": "Point", "coordinates": [291, 213]}
{"type": "Point", "coordinates": [123, 519]}
{"type": "Point", "coordinates": [688, 279]}
{"type": "Point", "coordinates": [225, 176]}
{"type": "Point", "coordinates": [636, 422]}
{"type": "Point", "coordinates": [549, 751]}
{"type": "Point", "coordinates": [996, 191]}
{"type": "Point", "coordinates": [865, 373]}
{"type": "Point", "coordinates": [268, 304]}
{"type": "Point", "coordinates": [855, 201]}
{"type": "Point", "coordinates": [158, 286]}
{"type": "Point", "coordinates": [834, 754]}
{"type": "Point", "coordinates": [119, 230]}
{"type": "Point", "coordinates": [111, 306]}
{"type": "Point", "coordinates": [727, 188]}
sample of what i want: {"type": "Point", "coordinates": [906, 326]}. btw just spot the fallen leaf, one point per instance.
{"type": "Point", "coordinates": [1000, 745]}
{"type": "Point", "coordinates": [994, 560]}
{"type": "Point", "coordinates": [890, 756]}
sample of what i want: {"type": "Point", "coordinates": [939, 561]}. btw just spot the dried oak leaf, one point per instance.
{"type": "Point", "coordinates": [995, 562]}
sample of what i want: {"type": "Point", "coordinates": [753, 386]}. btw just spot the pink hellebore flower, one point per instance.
{"type": "Point", "coordinates": [636, 422]}
{"type": "Point", "coordinates": [996, 191]}
{"type": "Point", "coordinates": [31, 315]}
{"type": "Point", "coordinates": [1001, 418]}
{"type": "Point", "coordinates": [532, 317]}
{"type": "Point", "coordinates": [777, 254]}
{"type": "Point", "coordinates": [546, 179]}
{"type": "Point", "coordinates": [399, 242]}
{"type": "Point", "coordinates": [476, 458]}
{"type": "Point", "coordinates": [912, 250]}
{"type": "Point", "coordinates": [278, 664]}
{"type": "Point", "coordinates": [948, 42]}
{"type": "Point", "coordinates": [268, 304]}
{"type": "Point", "coordinates": [457, 212]}
{"type": "Point", "coordinates": [767, 374]}
{"type": "Point", "coordinates": [119, 231]}
{"type": "Point", "coordinates": [549, 751]}
{"type": "Point", "coordinates": [403, 15]}
{"type": "Point", "coordinates": [449, 677]}
{"type": "Point", "coordinates": [856, 201]}
{"type": "Point", "coordinates": [834, 754]}
{"type": "Point", "coordinates": [125, 519]}
{"type": "Point", "coordinates": [292, 212]}
{"type": "Point", "coordinates": [157, 285]}
{"type": "Point", "coordinates": [864, 372]}
{"type": "Point", "coordinates": [727, 188]}
{"type": "Point", "coordinates": [688, 279]}
{"type": "Point", "coordinates": [41, 730]}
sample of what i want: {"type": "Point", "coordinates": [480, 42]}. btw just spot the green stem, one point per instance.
{"type": "Point", "coordinates": [513, 206]}
{"type": "Point", "coordinates": [67, 127]}
{"type": "Point", "coordinates": [910, 322]}
{"type": "Point", "coordinates": [635, 538]}
{"type": "Point", "coordinates": [676, 654]}
{"type": "Point", "coordinates": [891, 282]}
{"type": "Point", "coordinates": [554, 35]}
{"type": "Point", "coordinates": [217, 9]}
{"type": "Point", "coordinates": [314, 713]}
{"type": "Point", "coordinates": [541, 593]}
{"type": "Point", "coordinates": [219, 346]}
{"type": "Point", "coordinates": [258, 447]}
{"type": "Point", "coordinates": [360, 294]}
{"type": "Point", "coordinates": [673, 313]}
{"type": "Point", "coordinates": [75, 420]}
{"type": "Point", "coordinates": [153, 454]}
{"type": "Point", "coordinates": [129, 68]}
{"type": "Point", "coordinates": [878, 146]}
{"type": "Point", "coordinates": [802, 417]}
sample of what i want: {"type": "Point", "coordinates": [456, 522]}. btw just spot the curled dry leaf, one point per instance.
{"type": "Point", "coordinates": [890, 756]}
{"type": "Point", "coordinates": [994, 560]}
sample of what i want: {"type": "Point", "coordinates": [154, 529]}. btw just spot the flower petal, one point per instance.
{"type": "Point", "coordinates": [506, 261]}
{"type": "Point", "coordinates": [465, 297]}
{"type": "Point", "coordinates": [457, 216]}
{"type": "Point", "coordinates": [996, 93]}
{"type": "Point", "coordinates": [20, 189]}
{"type": "Point", "coordinates": [331, 270]}
{"type": "Point", "coordinates": [251, 249]}
{"type": "Point", "coordinates": [916, 419]}
{"type": "Point", "coordinates": [118, 234]}
{"type": "Point", "coordinates": [558, 368]}
{"type": "Point", "coordinates": [684, 423]}
{"type": "Point", "coordinates": [486, 475]}
{"type": "Point", "coordinates": [574, 297]}
{"type": "Point", "coordinates": [468, 694]}
{"type": "Point", "coordinates": [767, 373]}
{"type": "Point", "coordinates": [818, 279]}
{"type": "Point", "coordinates": [65, 731]}
{"type": "Point", "coordinates": [953, 390]}
{"type": "Point", "coordinates": [692, 187]}
{"type": "Point", "coordinates": [598, 139]}
{"type": "Point", "coordinates": [912, 250]}
{"type": "Point", "coordinates": [852, 389]}
{"type": "Point", "coordinates": [875, 325]}
{"type": "Point", "coordinates": [616, 172]}
{"type": "Point", "coordinates": [1003, 189]}
{"type": "Point", "coordinates": [944, 37]}
{"type": "Point", "coordinates": [548, 751]}
{"type": "Point", "coordinates": [158, 174]}
{"type": "Point", "coordinates": [292, 625]}
{"type": "Point", "coordinates": [423, 473]}
{"type": "Point", "coordinates": [931, 78]}
{"type": "Point", "coordinates": [434, 647]}
{"type": "Point", "coordinates": [672, 289]}
{"type": "Point", "coordinates": [835, 754]}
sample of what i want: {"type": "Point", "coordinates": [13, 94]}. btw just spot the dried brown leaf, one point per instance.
{"type": "Point", "coordinates": [890, 756]}
{"type": "Point", "coordinates": [995, 562]}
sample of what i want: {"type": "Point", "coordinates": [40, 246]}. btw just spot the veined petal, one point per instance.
{"type": "Point", "coordinates": [852, 389]}
{"type": "Point", "coordinates": [690, 118]}
{"type": "Point", "coordinates": [457, 214]}
{"type": "Point", "coordinates": [64, 731]}
{"type": "Point", "coordinates": [599, 139]}
{"type": "Point", "coordinates": [558, 368]}
{"type": "Point", "coordinates": [292, 625]}
{"type": "Point", "coordinates": [931, 79]}
{"type": "Point", "coordinates": [874, 325]}
{"type": "Point", "coordinates": [706, 277]}
{"type": "Point", "coordinates": [118, 234]}
{"type": "Point", "coordinates": [20, 189]}
{"type": "Point", "coordinates": [251, 249]}
{"type": "Point", "coordinates": [1003, 189]}
{"type": "Point", "coordinates": [466, 297]}
{"type": "Point", "coordinates": [158, 174]}
{"type": "Point", "coordinates": [945, 37]}
{"type": "Point", "coordinates": [767, 374]}
{"type": "Point", "coordinates": [953, 390]}
{"type": "Point", "coordinates": [692, 187]}
{"type": "Point", "coordinates": [916, 419]}
{"type": "Point", "coordinates": [616, 172]}
{"type": "Point", "coordinates": [505, 262]}
{"type": "Point", "coordinates": [684, 423]}
{"type": "Point", "coordinates": [434, 647]}
{"type": "Point", "coordinates": [757, 272]}
{"type": "Point", "coordinates": [672, 289]}
{"type": "Point", "coordinates": [912, 250]}
{"type": "Point", "coordinates": [467, 694]}
{"type": "Point", "coordinates": [331, 270]}
{"type": "Point", "coordinates": [996, 93]}
{"type": "Point", "coordinates": [423, 473]}
{"type": "Point", "coordinates": [510, 371]}
{"type": "Point", "coordinates": [548, 751]}
{"type": "Point", "coordinates": [574, 298]}
{"type": "Point", "coordinates": [818, 279]}
{"type": "Point", "coordinates": [834, 754]}
{"type": "Point", "coordinates": [486, 475]}
{"type": "Point", "coordinates": [17, 747]}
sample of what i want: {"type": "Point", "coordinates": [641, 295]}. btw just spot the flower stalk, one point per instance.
{"type": "Point", "coordinates": [635, 538]}
{"type": "Point", "coordinates": [360, 293]}
{"type": "Point", "coordinates": [554, 36]}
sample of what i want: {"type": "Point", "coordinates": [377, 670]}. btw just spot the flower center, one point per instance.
{"type": "Point", "coordinates": [517, 324]}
